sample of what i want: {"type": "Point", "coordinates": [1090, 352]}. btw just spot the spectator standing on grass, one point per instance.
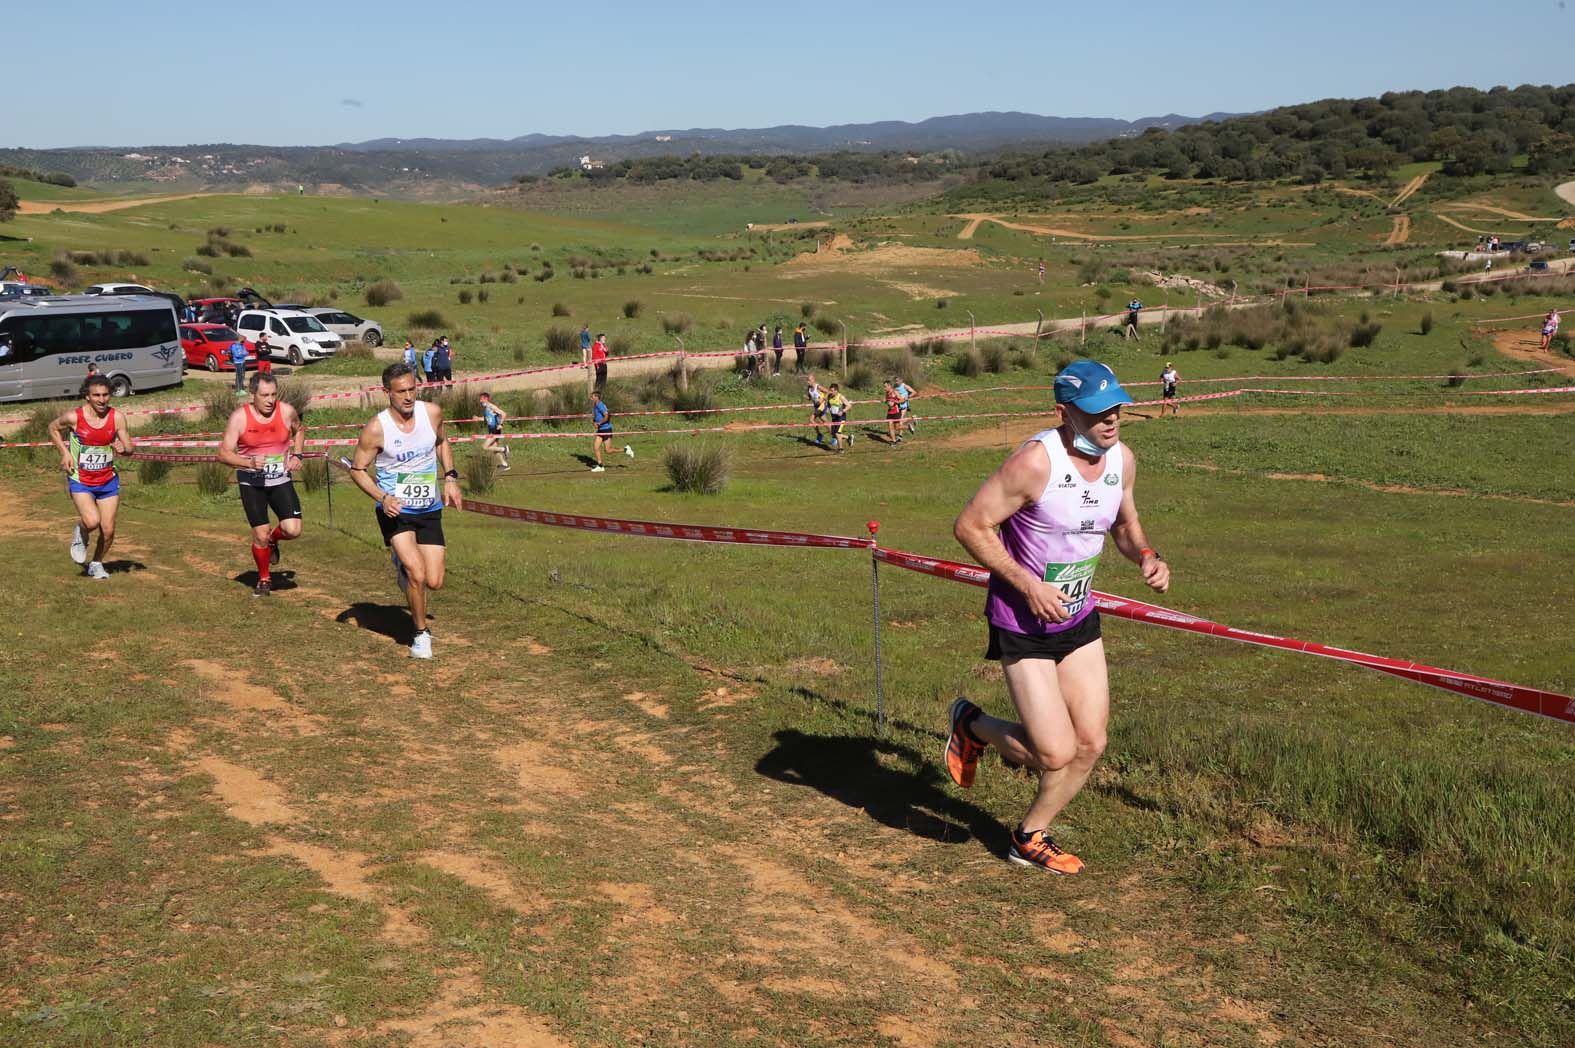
{"type": "Point", "coordinates": [599, 361]}
{"type": "Point", "coordinates": [585, 343]}
{"type": "Point", "coordinates": [1167, 381]}
{"type": "Point", "coordinates": [1039, 525]}
{"type": "Point", "coordinates": [800, 347]}
{"type": "Point", "coordinates": [776, 348]}
{"type": "Point", "coordinates": [408, 356]}
{"type": "Point", "coordinates": [749, 355]}
{"type": "Point", "coordinates": [601, 417]}
{"type": "Point", "coordinates": [442, 361]}
{"type": "Point", "coordinates": [1550, 327]}
{"type": "Point", "coordinates": [426, 361]}
{"type": "Point", "coordinates": [238, 361]}
{"type": "Point", "coordinates": [1134, 307]}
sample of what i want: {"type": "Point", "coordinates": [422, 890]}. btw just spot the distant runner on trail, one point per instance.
{"type": "Point", "coordinates": [97, 432]}
{"type": "Point", "coordinates": [817, 406]}
{"type": "Point", "coordinates": [601, 416]}
{"type": "Point", "coordinates": [264, 441]}
{"type": "Point", "coordinates": [905, 394]}
{"type": "Point", "coordinates": [893, 413]}
{"type": "Point", "coordinates": [406, 445]}
{"type": "Point", "coordinates": [492, 418]}
{"type": "Point", "coordinates": [1039, 525]}
{"type": "Point", "coordinates": [1133, 309]}
{"type": "Point", "coordinates": [1550, 327]}
{"type": "Point", "coordinates": [1167, 382]}
{"type": "Point", "coordinates": [837, 409]}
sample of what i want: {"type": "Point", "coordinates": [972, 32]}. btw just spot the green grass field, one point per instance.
{"type": "Point", "coordinates": [640, 797]}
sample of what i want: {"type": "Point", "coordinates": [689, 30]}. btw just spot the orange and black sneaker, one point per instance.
{"type": "Point", "coordinates": [1040, 849]}
{"type": "Point", "coordinates": [963, 747]}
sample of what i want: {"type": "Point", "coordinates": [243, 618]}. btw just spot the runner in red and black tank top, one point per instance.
{"type": "Point", "coordinates": [263, 441]}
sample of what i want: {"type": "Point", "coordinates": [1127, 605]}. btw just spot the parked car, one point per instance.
{"type": "Point", "coordinates": [118, 289]}
{"type": "Point", "coordinates": [208, 346]}
{"type": "Point", "coordinates": [25, 291]}
{"type": "Point", "coordinates": [292, 335]}
{"type": "Point", "coordinates": [348, 325]}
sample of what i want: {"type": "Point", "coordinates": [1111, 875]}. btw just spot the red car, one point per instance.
{"type": "Point", "coordinates": [208, 346]}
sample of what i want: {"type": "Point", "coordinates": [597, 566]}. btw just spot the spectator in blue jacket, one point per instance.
{"type": "Point", "coordinates": [426, 360]}
{"type": "Point", "coordinates": [238, 359]}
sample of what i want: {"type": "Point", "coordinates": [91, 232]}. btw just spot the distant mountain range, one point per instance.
{"type": "Point", "coordinates": [437, 166]}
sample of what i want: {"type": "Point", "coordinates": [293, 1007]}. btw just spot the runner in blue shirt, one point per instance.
{"type": "Point", "coordinates": [601, 416]}
{"type": "Point", "coordinates": [492, 417]}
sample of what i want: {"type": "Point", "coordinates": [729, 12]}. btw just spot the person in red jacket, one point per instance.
{"type": "Point", "coordinates": [599, 361]}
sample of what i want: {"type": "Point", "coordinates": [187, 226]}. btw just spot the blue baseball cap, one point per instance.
{"type": "Point", "coordinates": [1090, 387]}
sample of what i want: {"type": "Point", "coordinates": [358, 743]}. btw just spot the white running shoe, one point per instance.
{"type": "Point", "coordinates": [628, 449]}
{"type": "Point", "coordinates": [598, 469]}
{"type": "Point", "coordinates": [78, 544]}
{"type": "Point", "coordinates": [399, 573]}
{"type": "Point", "coordinates": [95, 570]}
{"type": "Point", "coordinates": [421, 647]}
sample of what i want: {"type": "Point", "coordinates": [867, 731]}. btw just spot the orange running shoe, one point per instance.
{"type": "Point", "coordinates": [963, 749]}
{"type": "Point", "coordinates": [1040, 849]}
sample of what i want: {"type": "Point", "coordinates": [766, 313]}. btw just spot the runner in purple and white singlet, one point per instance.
{"type": "Point", "coordinates": [1039, 524]}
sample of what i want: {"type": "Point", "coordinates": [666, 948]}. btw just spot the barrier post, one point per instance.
{"type": "Point", "coordinates": [973, 331]}
{"type": "Point", "coordinates": [1082, 328]}
{"type": "Point", "coordinates": [1038, 328]}
{"type": "Point", "coordinates": [683, 367]}
{"type": "Point", "coordinates": [1164, 314]}
{"type": "Point", "coordinates": [880, 688]}
{"type": "Point", "coordinates": [328, 484]}
{"type": "Point", "coordinates": [1397, 282]}
{"type": "Point", "coordinates": [844, 328]}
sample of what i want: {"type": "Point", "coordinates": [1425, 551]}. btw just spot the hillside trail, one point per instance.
{"type": "Point", "coordinates": [1526, 345]}
{"type": "Point", "coordinates": [828, 906]}
{"type": "Point", "coordinates": [1409, 188]}
{"type": "Point", "coordinates": [1400, 233]}
{"type": "Point", "coordinates": [1566, 192]}
{"type": "Point", "coordinates": [99, 207]}
{"type": "Point", "coordinates": [1503, 212]}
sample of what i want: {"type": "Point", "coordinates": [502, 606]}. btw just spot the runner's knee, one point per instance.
{"type": "Point", "coordinates": [291, 528]}
{"type": "Point", "coordinates": [434, 579]}
{"type": "Point", "coordinates": [1090, 747]}
{"type": "Point", "coordinates": [1053, 756]}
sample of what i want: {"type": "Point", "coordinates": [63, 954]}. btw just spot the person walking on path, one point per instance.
{"type": "Point", "coordinates": [264, 440]}
{"type": "Point", "coordinates": [1167, 383]}
{"type": "Point", "coordinates": [837, 412]}
{"type": "Point", "coordinates": [492, 418]}
{"type": "Point", "coordinates": [97, 432]}
{"type": "Point", "coordinates": [599, 361]}
{"type": "Point", "coordinates": [817, 407]}
{"type": "Point", "coordinates": [800, 348]}
{"type": "Point", "coordinates": [406, 445]}
{"type": "Point", "coordinates": [1134, 307]}
{"type": "Point", "coordinates": [1041, 271]}
{"type": "Point", "coordinates": [1550, 327]}
{"type": "Point", "coordinates": [601, 418]}
{"type": "Point", "coordinates": [1039, 524]}
{"type": "Point", "coordinates": [776, 350]}
{"type": "Point", "coordinates": [893, 414]}
{"type": "Point", "coordinates": [427, 356]}
{"type": "Point", "coordinates": [238, 356]}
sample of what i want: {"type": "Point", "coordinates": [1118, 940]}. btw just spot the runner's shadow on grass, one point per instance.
{"type": "Point", "coordinates": [116, 567]}
{"type": "Point", "coordinates": [850, 769]}
{"type": "Point", "coordinates": [390, 620]}
{"type": "Point", "coordinates": [282, 580]}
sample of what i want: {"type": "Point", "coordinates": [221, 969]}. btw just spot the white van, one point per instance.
{"type": "Point", "coordinates": [46, 344]}
{"type": "Point", "coordinates": [292, 335]}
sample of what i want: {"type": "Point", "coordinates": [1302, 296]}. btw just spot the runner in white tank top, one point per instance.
{"type": "Point", "coordinates": [407, 447]}
{"type": "Point", "coordinates": [1039, 524]}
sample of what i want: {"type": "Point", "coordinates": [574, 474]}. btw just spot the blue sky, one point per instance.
{"type": "Point", "coordinates": [290, 73]}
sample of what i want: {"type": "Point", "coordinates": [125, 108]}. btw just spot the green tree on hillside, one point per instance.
{"type": "Point", "coordinates": [8, 201]}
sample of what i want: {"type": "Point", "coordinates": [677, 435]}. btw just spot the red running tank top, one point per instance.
{"type": "Point", "coordinates": [92, 450]}
{"type": "Point", "coordinates": [269, 438]}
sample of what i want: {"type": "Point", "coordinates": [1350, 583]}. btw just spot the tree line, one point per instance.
{"type": "Point", "coordinates": [845, 166]}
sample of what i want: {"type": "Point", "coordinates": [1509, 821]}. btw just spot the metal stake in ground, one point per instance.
{"type": "Point", "coordinates": [880, 690]}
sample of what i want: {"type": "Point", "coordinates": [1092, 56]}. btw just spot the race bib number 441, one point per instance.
{"type": "Point", "coordinates": [1076, 580]}
{"type": "Point", "coordinates": [416, 490]}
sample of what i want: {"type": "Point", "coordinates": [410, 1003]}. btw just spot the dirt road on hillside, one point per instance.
{"type": "Point", "coordinates": [1409, 188]}
{"type": "Point", "coordinates": [1400, 233]}
{"type": "Point", "coordinates": [1566, 193]}
{"type": "Point", "coordinates": [99, 207]}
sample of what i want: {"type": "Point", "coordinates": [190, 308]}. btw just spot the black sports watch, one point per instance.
{"type": "Point", "coordinates": [452, 474]}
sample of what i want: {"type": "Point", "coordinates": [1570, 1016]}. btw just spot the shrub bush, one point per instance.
{"type": "Point", "coordinates": [62, 268]}
{"type": "Point", "coordinates": [698, 469]}
{"type": "Point", "coordinates": [217, 403]}
{"type": "Point", "coordinates": [481, 471]}
{"type": "Point", "coordinates": [677, 323]}
{"type": "Point", "coordinates": [826, 325]}
{"type": "Point", "coordinates": [969, 364]}
{"type": "Point", "coordinates": [214, 479]}
{"type": "Point", "coordinates": [862, 377]}
{"type": "Point", "coordinates": [464, 298]}
{"type": "Point", "coordinates": [631, 308]}
{"type": "Point", "coordinates": [620, 346]}
{"type": "Point", "coordinates": [928, 347]}
{"type": "Point", "coordinates": [383, 292]}
{"type": "Point", "coordinates": [560, 310]}
{"type": "Point", "coordinates": [1425, 326]}
{"type": "Point", "coordinates": [314, 474]}
{"type": "Point", "coordinates": [543, 276]}
{"type": "Point", "coordinates": [237, 250]}
{"type": "Point", "coordinates": [196, 265]}
{"type": "Point", "coordinates": [483, 295]}
{"type": "Point", "coordinates": [695, 401]}
{"type": "Point", "coordinates": [1363, 334]}
{"type": "Point", "coordinates": [994, 357]}
{"type": "Point", "coordinates": [807, 310]}
{"type": "Point", "coordinates": [430, 319]}
{"type": "Point", "coordinates": [297, 394]}
{"type": "Point", "coordinates": [152, 471]}
{"type": "Point", "coordinates": [563, 340]}
{"type": "Point", "coordinates": [940, 303]}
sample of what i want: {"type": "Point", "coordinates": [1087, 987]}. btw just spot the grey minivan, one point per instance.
{"type": "Point", "coordinates": [46, 344]}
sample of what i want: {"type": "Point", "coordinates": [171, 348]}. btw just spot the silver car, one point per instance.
{"type": "Point", "coordinates": [348, 325]}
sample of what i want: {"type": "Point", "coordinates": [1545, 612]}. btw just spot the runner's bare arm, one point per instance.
{"type": "Point", "coordinates": [366, 448]}
{"type": "Point", "coordinates": [64, 420]}
{"type": "Point", "coordinates": [1019, 481]}
{"type": "Point", "coordinates": [445, 454]}
{"type": "Point", "coordinates": [228, 444]}
{"type": "Point", "coordinates": [123, 435]}
{"type": "Point", "coordinates": [297, 430]}
{"type": "Point", "coordinates": [1127, 532]}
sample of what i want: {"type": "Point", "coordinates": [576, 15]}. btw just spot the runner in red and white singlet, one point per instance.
{"type": "Point", "coordinates": [96, 433]}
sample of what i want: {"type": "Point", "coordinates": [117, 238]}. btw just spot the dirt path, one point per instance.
{"type": "Point", "coordinates": [1492, 210]}
{"type": "Point", "coordinates": [1525, 344]}
{"type": "Point", "coordinates": [1400, 233]}
{"type": "Point", "coordinates": [1408, 189]}
{"type": "Point", "coordinates": [972, 227]}
{"type": "Point", "coordinates": [1566, 192]}
{"type": "Point", "coordinates": [99, 207]}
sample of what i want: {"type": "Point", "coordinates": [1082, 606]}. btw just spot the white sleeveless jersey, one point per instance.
{"type": "Point", "coordinates": [407, 466]}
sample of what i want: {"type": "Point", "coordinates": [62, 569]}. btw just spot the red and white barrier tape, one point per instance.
{"type": "Point", "coordinates": [1500, 693]}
